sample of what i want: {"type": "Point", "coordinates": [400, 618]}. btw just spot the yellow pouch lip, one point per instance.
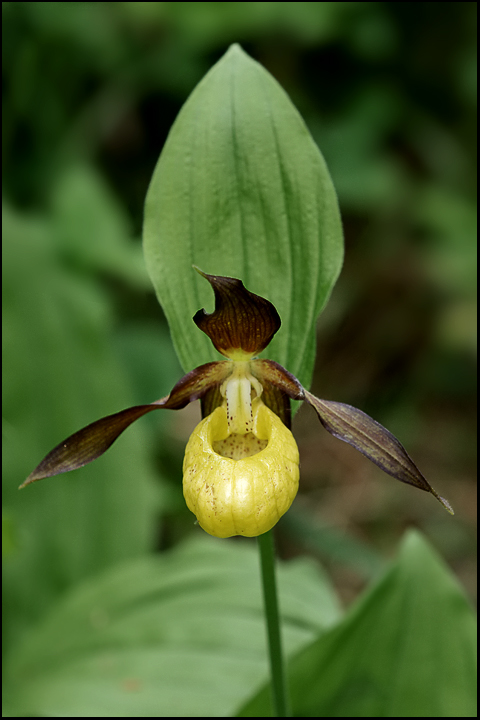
{"type": "Point", "coordinates": [246, 496]}
{"type": "Point", "coordinates": [266, 426]}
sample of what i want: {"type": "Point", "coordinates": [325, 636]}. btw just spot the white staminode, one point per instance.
{"type": "Point", "coordinates": [237, 390]}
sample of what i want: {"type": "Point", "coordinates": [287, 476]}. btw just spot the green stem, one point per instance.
{"type": "Point", "coordinates": [279, 688]}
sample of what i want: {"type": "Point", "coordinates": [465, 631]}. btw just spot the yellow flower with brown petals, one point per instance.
{"type": "Point", "coordinates": [241, 462]}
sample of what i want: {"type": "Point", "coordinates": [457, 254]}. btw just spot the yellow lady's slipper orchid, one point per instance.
{"type": "Point", "coordinates": [241, 462]}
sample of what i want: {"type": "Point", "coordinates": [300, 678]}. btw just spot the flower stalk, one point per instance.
{"type": "Point", "coordinates": [279, 688]}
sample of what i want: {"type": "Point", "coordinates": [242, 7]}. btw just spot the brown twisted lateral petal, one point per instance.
{"type": "Point", "coordinates": [93, 440]}
{"type": "Point", "coordinates": [269, 371]}
{"type": "Point", "coordinates": [241, 321]}
{"type": "Point", "coordinates": [373, 440]}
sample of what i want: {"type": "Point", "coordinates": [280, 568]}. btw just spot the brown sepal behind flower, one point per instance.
{"type": "Point", "coordinates": [242, 323]}
{"type": "Point", "coordinates": [278, 386]}
{"type": "Point", "coordinates": [212, 399]}
{"type": "Point", "coordinates": [278, 403]}
{"type": "Point", "coordinates": [269, 371]}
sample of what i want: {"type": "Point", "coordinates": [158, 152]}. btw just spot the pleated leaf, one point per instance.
{"type": "Point", "coordinates": [241, 190]}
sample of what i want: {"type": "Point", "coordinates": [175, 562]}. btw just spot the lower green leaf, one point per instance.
{"type": "Point", "coordinates": [180, 635]}
{"type": "Point", "coordinates": [406, 649]}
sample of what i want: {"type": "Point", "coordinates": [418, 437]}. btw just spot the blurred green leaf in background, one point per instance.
{"type": "Point", "coordinates": [90, 92]}
{"type": "Point", "coordinates": [60, 368]}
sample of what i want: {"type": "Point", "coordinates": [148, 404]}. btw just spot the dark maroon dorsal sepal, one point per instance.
{"type": "Point", "coordinates": [242, 323]}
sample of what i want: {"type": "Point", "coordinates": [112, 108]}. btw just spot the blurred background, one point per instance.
{"type": "Point", "coordinates": [90, 91]}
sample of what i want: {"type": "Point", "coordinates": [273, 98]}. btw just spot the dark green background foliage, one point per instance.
{"type": "Point", "coordinates": [90, 91]}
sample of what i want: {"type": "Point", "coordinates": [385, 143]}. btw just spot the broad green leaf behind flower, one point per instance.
{"type": "Point", "coordinates": [241, 190]}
